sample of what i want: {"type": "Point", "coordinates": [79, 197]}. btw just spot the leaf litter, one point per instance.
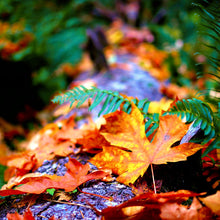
{"type": "Point", "coordinates": [121, 148]}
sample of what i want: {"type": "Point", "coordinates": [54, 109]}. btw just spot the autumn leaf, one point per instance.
{"type": "Point", "coordinates": [159, 106]}
{"type": "Point", "coordinates": [132, 153]}
{"type": "Point", "coordinates": [55, 139]}
{"type": "Point", "coordinates": [76, 175]}
{"type": "Point", "coordinates": [28, 215]}
{"type": "Point", "coordinates": [213, 202]}
{"type": "Point", "coordinates": [173, 210]}
{"type": "Point", "coordinates": [15, 216]}
{"type": "Point", "coordinates": [150, 205]}
{"type": "Point", "coordinates": [172, 91]}
{"type": "Point", "coordinates": [92, 143]}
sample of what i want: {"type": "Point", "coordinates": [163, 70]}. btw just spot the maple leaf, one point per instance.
{"type": "Point", "coordinates": [92, 142]}
{"type": "Point", "coordinates": [132, 153]}
{"type": "Point", "coordinates": [76, 175]}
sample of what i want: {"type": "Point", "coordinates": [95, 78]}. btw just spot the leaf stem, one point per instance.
{"type": "Point", "coordinates": [152, 172]}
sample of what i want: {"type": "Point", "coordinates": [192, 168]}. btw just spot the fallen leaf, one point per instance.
{"type": "Point", "coordinates": [15, 216]}
{"type": "Point", "coordinates": [172, 91]}
{"type": "Point", "coordinates": [132, 153]}
{"type": "Point", "coordinates": [213, 202]}
{"type": "Point", "coordinates": [93, 142]}
{"type": "Point", "coordinates": [173, 211]}
{"type": "Point", "coordinates": [28, 215]}
{"type": "Point", "coordinates": [55, 139]}
{"type": "Point", "coordinates": [147, 204]}
{"type": "Point", "coordinates": [159, 106]}
{"type": "Point", "coordinates": [76, 175]}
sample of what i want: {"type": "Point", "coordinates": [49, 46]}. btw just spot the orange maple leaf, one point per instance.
{"type": "Point", "coordinates": [132, 153]}
{"type": "Point", "coordinates": [75, 176]}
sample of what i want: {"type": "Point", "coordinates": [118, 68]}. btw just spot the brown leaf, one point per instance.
{"type": "Point", "coordinates": [172, 211]}
{"type": "Point", "coordinates": [213, 202]}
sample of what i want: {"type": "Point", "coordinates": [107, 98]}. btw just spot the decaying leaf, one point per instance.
{"type": "Point", "coordinates": [132, 153]}
{"type": "Point", "coordinates": [173, 210]}
{"type": "Point", "coordinates": [213, 202]}
{"type": "Point", "coordinates": [15, 216]}
{"type": "Point", "coordinates": [76, 175]}
{"type": "Point", "coordinates": [28, 215]}
{"type": "Point", "coordinates": [148, 205]}
{"type": "Point", "coordinates": [55, 139]}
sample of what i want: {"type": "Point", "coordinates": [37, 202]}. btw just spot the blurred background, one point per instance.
{"type": "Point", "coordinates": [42, 42]}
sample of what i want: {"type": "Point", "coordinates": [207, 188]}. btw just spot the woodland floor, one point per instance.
{"type": "Point", "coordinates": [130, 79]}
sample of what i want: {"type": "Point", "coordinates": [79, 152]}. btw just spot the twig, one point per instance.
{"type": "Point", "coordinates": [69, 203]}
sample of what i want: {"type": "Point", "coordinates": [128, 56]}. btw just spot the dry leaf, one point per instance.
{"type": "Point", "coordinates": [145, 205]}
{"type": "Point", "coordinates": [173, 211]}
{"type": "Point", "coordinates": [213, 202]}
{"type": "Point", "coordinates": [75, 176]}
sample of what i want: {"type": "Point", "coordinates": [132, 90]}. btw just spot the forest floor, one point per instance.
{"type": "Point", "coordinates": [60, 171]}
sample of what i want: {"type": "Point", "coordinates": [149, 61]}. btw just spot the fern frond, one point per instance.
{"type": "Point", "coordinates": [209, 12]}
{"type": "Point", "coordinates": [152, 124]}
{"type": "Point", "coordinates": [111, 102]}
{"type": "Point", "coordinates": [196, 111]}
{"type": "Point", "coordinates": [214, 145]}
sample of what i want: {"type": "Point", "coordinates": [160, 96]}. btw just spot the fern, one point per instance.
{"type": "Point", "coordinates": [209, 12]}
{"type": "Point", "coordinates": [111, 102]}
{"type": "Point", "coordinates": [198, 112]}
{"type": "Point", "coordinates": [210, 19]}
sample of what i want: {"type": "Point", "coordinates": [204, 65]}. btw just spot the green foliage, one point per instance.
{"type": "Point", "coordinates": [51, 191]}
{"type": "Point", "coordinates": [192, 110]}
{"type": "Point", "coordinates": [210, 46]}
{"type": "Point", "coordinates": [2, 170]}
{"type": "Point", "coordinates": [110, 101]}
{"type": "Point", "coordinates": [210, 30]}
{"type": "Point", "coordinates": [59, 31]}
{"type": "Point", "coordinates": [210, 38]}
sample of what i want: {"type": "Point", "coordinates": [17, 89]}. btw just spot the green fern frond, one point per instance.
{"type": "Point", "coordinates": [210, 22]}
{"type": "Point", "coordinates": [111, 102]}
{"type": "Point", "coordinates": [214, 145]}
{"type": "Point", "coordinates": [198, 112]}
{"type": "Point", "coordinates": [152, 124]}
